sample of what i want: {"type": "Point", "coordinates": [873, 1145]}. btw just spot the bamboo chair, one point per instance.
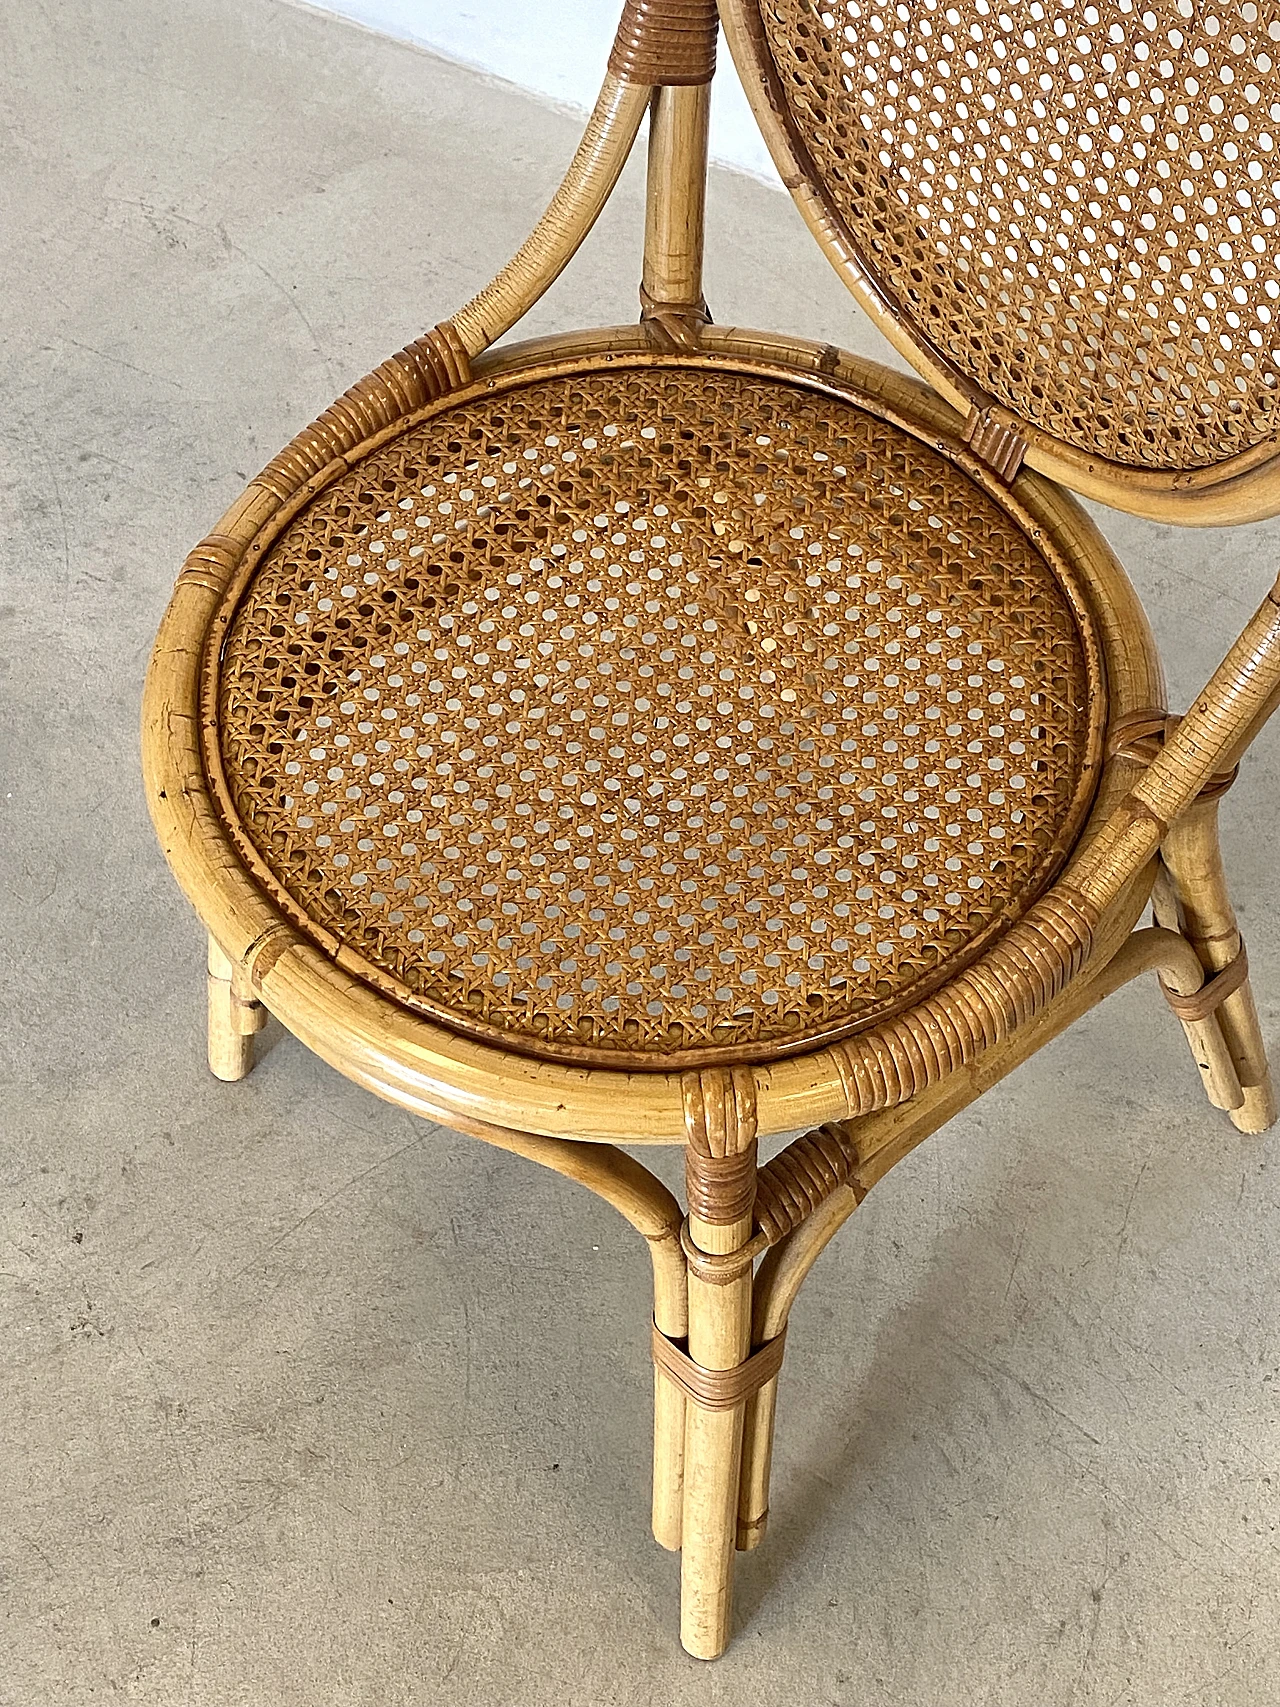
{"type": "Point", "coordinates": [682, 735]}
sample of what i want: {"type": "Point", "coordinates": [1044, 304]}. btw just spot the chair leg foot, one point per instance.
{"type": "Point", "coordinates": [713, 1453]}
{"type": "Point", "coordinates": [719, 1338]}
{"type": "Point", "coordinates": [1196, 902]}
{"type": "Point", "coordinates": [234, 1016]}
{"type": "Point", "coordinates": [1257, 1113]}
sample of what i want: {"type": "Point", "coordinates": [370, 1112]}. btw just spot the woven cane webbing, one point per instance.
{"type": "Point", "coordinates": [1075, 204]}
{"type": "Point", "coordinates": [656, 714]}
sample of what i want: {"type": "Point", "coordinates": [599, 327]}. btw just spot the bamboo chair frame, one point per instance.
{"type": "Point", "coordinates": [864, 1102]}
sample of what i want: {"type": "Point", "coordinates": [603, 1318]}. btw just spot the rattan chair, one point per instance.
{"type": "Point", "coordinates": [681, 735]}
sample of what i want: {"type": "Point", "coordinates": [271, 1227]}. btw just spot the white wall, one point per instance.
{"type": "Point", "coordinates": [556, 48]}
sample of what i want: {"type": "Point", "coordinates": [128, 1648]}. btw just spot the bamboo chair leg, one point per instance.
{"type": "Point", "coordinates": [1204, 1036]}
{"type": "Point", "coordinates": [234, 1016]}
{"type": "Point", "coordinates": [719, 1338]}
{"type": "Point", "coordinates": [777, 1283]}
{"type": "Point", "coordinates": [1193, 859]}
{"type": "Point", "coordinates": [672, 278]}
{"type": "Point", "coordinates": [671, 1317]}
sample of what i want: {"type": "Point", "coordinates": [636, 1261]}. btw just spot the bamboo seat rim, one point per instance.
{"type": "Point", "coordinates": [421, 1065]}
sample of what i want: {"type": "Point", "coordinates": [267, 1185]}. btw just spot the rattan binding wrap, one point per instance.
{"type": "Point", "coordinates": [717, 1389]}
{"type": "Point", "coordinates": [1210, 997]}
{"type": "Point", "coordinates": [1021, 974]}
{"type": "Point", "coordinates": [720, 1146]}
{"type": "Point", "coordinates": [794, 1182]}
{"type": "Point", "coordinates": [666, 42]}
{"type": "Point", "coordinates": [434, 364]}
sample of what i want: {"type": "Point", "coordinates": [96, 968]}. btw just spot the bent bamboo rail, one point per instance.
{"type": "Point", "coordinates": [606, 144]}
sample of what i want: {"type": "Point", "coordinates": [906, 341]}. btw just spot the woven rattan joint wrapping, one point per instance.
{"type": "Point", "coordinates": [1028, 968]}
{"type": "Point", "coordinates": [1075, 205]}
{"type": "Point", "coordinates": [720, 1153]}
{"type": "Point", "coordinates": [792, 1184]}
{"type": "Point", "coordinates": [668, 42]}
{"type": "Point", "coordinates": [430, 366]}
{"type": "Point", "coordinates": [719, 1268]}
{"type": "Point", "coordinates": [999, 445]}
{"type": "Point", "coordinates": [718, 1389]}
{"type": "Point", "coordinates": [720, 1189]}
{"type": "Point", "coordinates": [1141, 736]}
{"type": "Point", "coordinates": [655, 715]}
{"type": "Point", "coordinates": [1211, 995]}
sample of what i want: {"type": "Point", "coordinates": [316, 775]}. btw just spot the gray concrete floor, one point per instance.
{"type": "Point", "coordinates": [304, 1402]}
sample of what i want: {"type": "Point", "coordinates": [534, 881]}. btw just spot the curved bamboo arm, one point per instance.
{"type": "Point", "coordinates": [875, 1143]}
{"type": "Point", "coordinates": [1225, 717]}
{"type": "Point", "coordinates": [609, 137]}
{"type": "Point", "coordinates": [652, 1210]}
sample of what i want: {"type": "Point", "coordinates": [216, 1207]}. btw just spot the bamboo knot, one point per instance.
{"type": "Point", "coordinates": [672, 326]}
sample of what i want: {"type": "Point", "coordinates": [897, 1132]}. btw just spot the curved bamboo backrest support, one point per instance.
{"type": "Point", "coordinates": [1065, 215]}
{"type": "Point", "coordinates": [661, 45]}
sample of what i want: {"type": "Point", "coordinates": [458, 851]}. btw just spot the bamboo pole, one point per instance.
{"type": "Point", "coordinates": [594, 171]}
{"type": "Point", "coordinates": [719, 1338]}
{"type": "Point", "coordinates": [676, 202]}
{"type": "Point", "coordinates": [235, 1016]}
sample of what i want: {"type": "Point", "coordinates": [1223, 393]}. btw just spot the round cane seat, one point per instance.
{"type": "Point", "coordinates": [655, 714]}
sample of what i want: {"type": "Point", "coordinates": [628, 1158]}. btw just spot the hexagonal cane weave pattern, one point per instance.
{"type": "Point", "coordinates": [1075, 204]}
{"type": "Point", "coordinates": [656, 714]}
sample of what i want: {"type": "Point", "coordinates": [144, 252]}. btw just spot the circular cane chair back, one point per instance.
{"type": "Point", "coordinates": [1066, 215]}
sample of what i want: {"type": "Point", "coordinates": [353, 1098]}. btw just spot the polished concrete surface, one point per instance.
{"type": "Point", "coordinates": [304, 1402]}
